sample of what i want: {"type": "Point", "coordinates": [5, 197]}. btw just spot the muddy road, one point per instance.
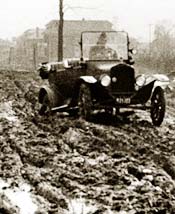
{"type": "Point", "coordinates": [65, 165]}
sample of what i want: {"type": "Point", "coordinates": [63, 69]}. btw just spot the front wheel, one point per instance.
{"type": "Point", "coordinates": [85, 102]}
{"type": "Point", "coordinates": [158, 106]}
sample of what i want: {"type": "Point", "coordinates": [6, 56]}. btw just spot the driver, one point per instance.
{"type": "Point", "coordinates": [100, 51]}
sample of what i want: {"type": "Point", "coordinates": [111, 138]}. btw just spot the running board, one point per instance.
{"type": "Point", "coordinates": [64, 108]}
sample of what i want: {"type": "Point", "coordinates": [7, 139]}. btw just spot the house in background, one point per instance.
{"type": "Point", "coordinates": [71, 36]}
{"type": "Point", "coordinates": [30, 49]}
{"type": "Point", "coordinates": [41, 45]}
{"type": "Point", "coordinates": [6, 53]}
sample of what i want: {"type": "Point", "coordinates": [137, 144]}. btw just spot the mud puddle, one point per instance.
{"type": "Point", "coordinates": [18, 197]}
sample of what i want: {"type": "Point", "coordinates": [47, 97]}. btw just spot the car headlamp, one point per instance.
{"type": "Point", "coordinates": [105, 80]}
{"type": "Point", "coordinates": [140, 80]}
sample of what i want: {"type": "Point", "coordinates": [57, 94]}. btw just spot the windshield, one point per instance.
{"type": "Point", "coordinates": [105, 45]}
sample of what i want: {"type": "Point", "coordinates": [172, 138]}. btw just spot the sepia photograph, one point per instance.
{"type": "Point", "coordinates": [87, 98]}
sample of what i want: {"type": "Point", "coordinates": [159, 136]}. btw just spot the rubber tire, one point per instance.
{"type": "Point", "coordinates": [158, 106]}
{"type": "Point", "coordinates": [73, 112]}
{"type": "Point", "coordinates": [45, 105]}
{"type": "Point", "coordinates": [109, 110]}
{"type": "Point", "coordinates": [85, 102]}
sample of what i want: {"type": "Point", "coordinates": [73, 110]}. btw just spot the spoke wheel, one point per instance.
{"type": "Point", "coordinates": [85, 102]}
{"type": "Point", "coordinates": [158, 106]}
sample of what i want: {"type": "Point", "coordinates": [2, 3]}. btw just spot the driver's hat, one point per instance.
{"type": "Point", "coordinates": [102, 38]}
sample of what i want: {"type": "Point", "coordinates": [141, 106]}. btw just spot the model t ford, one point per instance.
{"type": "Point", "coordinates": [103, 78]}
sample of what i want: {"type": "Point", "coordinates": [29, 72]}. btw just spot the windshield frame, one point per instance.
{"type": "Point", "coordinates": [85, 32]}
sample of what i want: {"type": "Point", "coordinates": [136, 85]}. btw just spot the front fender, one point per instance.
{"type": "Point", "coordinates": [98, 92]}
{"type": "Point", "coordinates": [143, 94]}
{"type": "Point", "coordinates": [162, 84]}
{"type": "Point", "coordinates": [88, 79]}
{"type": "Point", "coordinates": [161, 80]}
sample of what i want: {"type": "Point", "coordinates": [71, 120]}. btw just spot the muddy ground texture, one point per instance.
{"type": "Point", "coordinates": [70, 166]}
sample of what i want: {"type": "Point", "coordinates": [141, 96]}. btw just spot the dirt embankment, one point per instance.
{"type": "Point", "coordinates": [60, 164]}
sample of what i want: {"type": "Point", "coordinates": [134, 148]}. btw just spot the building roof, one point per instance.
{"type": "Point", "coordinates": [81, 25]}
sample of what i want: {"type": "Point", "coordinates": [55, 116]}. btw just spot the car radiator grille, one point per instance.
{"type": "Point", "coordinates": [123, 79]}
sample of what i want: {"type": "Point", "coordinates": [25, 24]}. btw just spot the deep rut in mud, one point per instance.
{"type": "Point", "coordinates": [68, 165]}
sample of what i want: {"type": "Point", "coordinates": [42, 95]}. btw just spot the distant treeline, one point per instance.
{"type": "Point", "coordinates": [159, 54]}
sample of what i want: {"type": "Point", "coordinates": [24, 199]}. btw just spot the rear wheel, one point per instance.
{"type": "Point", "coordinates": [45, 107]}
{"type": "Point", "coordinates": [85, 102]}
{"type": "Point", "coordinates": [158, 106]}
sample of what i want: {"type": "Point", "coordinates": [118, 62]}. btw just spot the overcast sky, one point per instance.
{"type": "Point", "coordinates": [135, 16]}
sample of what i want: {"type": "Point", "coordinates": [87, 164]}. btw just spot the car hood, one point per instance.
{"type": "Point", "coordinates": [101, 65]}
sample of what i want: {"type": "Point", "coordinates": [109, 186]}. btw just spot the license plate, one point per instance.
{"type": "Point", "coordinates": [122, 100]}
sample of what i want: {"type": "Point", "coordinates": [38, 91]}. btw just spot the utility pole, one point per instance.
{"type": "Point", "coordinates": [60, 31]}
{"type": "Point", "coordinates": [34, 55]}
{"type": "Point", "coordinates": [11, 55]}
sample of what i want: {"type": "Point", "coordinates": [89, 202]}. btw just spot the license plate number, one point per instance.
{"type": "Point", "coordinates": [123, 100]}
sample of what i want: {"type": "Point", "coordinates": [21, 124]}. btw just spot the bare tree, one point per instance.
{"type": "Point", "coordinates": [163, 46]}
{"type": "Point", "coordinates": [159, 55]}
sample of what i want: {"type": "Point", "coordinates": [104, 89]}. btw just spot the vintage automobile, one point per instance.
{"type": "Point", "coordinates": [103, 78]}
